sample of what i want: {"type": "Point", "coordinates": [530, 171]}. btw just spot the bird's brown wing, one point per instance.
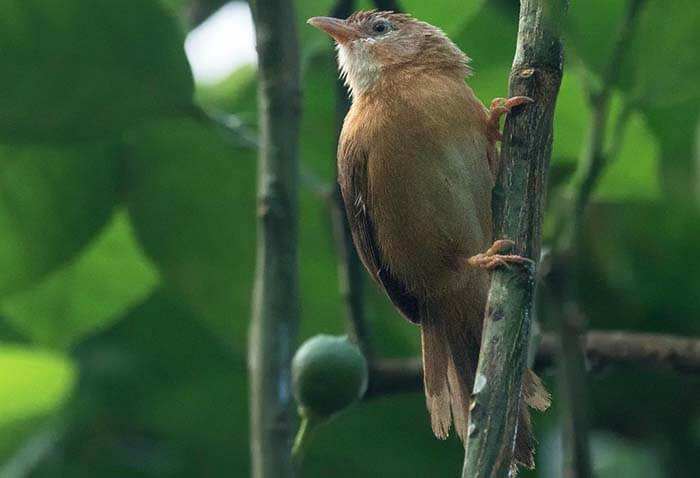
{"type": "Point", "coordinates": [352, 176]}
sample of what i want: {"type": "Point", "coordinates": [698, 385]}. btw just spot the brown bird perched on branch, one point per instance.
{"type": "Point", "coordinates": [417, 161]}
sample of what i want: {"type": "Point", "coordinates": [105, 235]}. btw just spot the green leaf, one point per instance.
{"type": "Point", "coordinates": [591, 29]}
{"type": "Point", "coordinates": [663, 64]}
{"type": "Point", "coordinates": [634, 173]}
{"type": "Point", "coordinates": [660, 63]}
{"type": "Point", "coordinates": [35, 382]}
{"type": "Point", "coordinates": [158, 379]}
{"type": "Point", "coordinates": [450, 16]}
{"type": "Point", "coordinates": [109, 277]}
{"type": "Point", "coordinates": [191, 200]}
{"type": "Point", "coordinates": [310, 38]}
{"type": "Point", "coordinates": [52, 202]}
{"type": "Point", "coordinates": [675, 127]}
{"type": "Point", "coordinates": [83, 69]}
{"type": "Point", "coordinates": [488, 37]}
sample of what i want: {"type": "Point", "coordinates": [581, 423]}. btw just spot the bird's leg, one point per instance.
{"type": "Point", "coordinates": [491, 259]}
{"type": "Point", "coordinates": [500, 106]}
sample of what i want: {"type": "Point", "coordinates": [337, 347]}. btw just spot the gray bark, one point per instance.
{"type": "Point", "coordinates": [273, 329]}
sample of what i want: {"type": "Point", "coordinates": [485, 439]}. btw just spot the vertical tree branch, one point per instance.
{"type": "Point", "coordinates": [351, 275]}
{"type": "Point", "coordinates": [570, 326]}
{"type": "Point", "coordinates": [275, 317]}
{"type": "Point", "coordinates": [518, 209]}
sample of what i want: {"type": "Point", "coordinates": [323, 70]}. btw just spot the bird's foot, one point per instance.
{"type": "Point", "coordinates": [499, 107]}
{"type": "Point", "coordinates": [492, 258]}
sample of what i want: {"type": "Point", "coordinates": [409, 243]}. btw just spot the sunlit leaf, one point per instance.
{"type": "Point", "coordinates": [39, 382]}
{"type": "Point", "coordinates": [110, 276]}
{"type": "Point", "coordinates": [634, 173]}
{"type": "Point", "coordinates": [53, 200]}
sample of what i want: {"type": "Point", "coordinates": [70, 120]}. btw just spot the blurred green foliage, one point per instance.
{"type": "Point", "coordinates": [127, 238]}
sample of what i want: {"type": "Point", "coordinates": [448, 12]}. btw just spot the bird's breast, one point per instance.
{"type": "Point", "coordinates": [429, 188]}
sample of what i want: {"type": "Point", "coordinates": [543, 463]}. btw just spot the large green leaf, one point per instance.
{"type": "Point", "coordinates": [591, 29]}
{"type": "Point", "coordinates": [76, 69]}
{"type": "Point", "coordinates": [191, 199]}
{"type": "Point", "coordinates": [488, 37]}
{"type": "Point", "coordinates": [162, 397]}
{"type": "Point", "coordinates": [662, 62]}
{"type": "Point", "coordinates": [634, 173]}
{"type": "Point", "coordinates": [110, 276]}
{"type": "Point", "coordinates": [34, 382]}
{"type": "Point", "coordinates": [450, 15]}
{"type": "Point", "coordinates": [659, 63]}
{"type": "Point", "coordinates": [675, 127]}
{"type": "Point", "coordinates": [35, 385]}
{"type": "Point", "coordinates": [53, 200]}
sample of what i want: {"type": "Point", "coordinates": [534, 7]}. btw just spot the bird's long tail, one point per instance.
{"type": "Point", "coordinates": [450, 346]}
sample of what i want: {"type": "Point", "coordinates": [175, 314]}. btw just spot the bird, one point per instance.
{"type": "Point", "coordinates": [417, 163]}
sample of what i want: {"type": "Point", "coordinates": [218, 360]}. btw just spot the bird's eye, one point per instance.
{"type": "Point", "coordinates": [381, 26]}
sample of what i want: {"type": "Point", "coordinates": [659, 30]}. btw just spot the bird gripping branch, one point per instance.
{"type": "Point", "coordinates": [417, 162]}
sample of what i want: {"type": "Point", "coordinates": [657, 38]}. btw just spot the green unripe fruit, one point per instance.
{"type": "Point", "coordinates": [328, 374]}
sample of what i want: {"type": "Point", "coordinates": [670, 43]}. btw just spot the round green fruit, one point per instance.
{"type": "Point", "coordinates": [328, 374]}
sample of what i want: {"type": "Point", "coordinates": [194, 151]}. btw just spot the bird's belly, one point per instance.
{"type": "Point", "coordinates": [429, 219]}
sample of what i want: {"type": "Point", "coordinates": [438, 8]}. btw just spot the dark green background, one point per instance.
{"type": "Point", "coordinates": [127, 238]}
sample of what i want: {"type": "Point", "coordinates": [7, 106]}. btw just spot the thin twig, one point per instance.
{"type": "Point", "coordinates": [241, 134]}
{"type": "Point", "coordinates": [603, 350]}
{"type": "Point", "coordinates": [351, 276]}
{"type": "Point", "coordinates": [569, 325]}
{"type": "Point", "coordinates": [594, 157]}
{"type": "Point", "coordinates": [313, 182]}
{"type": "Point", "coordinates": [34, 451]}
{"type": "Point", "coordinates": [563, 304]}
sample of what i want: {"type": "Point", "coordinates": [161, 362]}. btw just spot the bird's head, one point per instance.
{"type": "Point", "coordinates": [374, 46]}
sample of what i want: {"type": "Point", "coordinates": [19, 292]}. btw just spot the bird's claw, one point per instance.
{"type": "Point", "coordinates": [499, 107]}
{"type": "Point", "coordinates": [491, 259]}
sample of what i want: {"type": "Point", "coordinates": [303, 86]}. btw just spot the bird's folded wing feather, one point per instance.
{"type": "Point", "coordinates": [352, 176]}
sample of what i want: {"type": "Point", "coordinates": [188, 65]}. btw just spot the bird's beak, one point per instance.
{"type": "Point", "coordinates": [339, 29]}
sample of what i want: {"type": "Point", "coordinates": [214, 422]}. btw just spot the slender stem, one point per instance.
{"type": "Point", "coordinates": [594, 158]}
{"type": "Point", "coordinates": [563, 304]}
{"type": "Point", "coordinates": [275, 317]}
{"type": "Point", "coordinates": [307, 427]}
{"type": "Point", "coordinates": [518, 210]}
{"type": "Point", "coordinates": [602, 349]}
{"type": "Point", "coordinates": [571, 366]}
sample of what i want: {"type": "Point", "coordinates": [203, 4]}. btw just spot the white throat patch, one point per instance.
{"type": "Point", "coordinates": [358, 67]}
